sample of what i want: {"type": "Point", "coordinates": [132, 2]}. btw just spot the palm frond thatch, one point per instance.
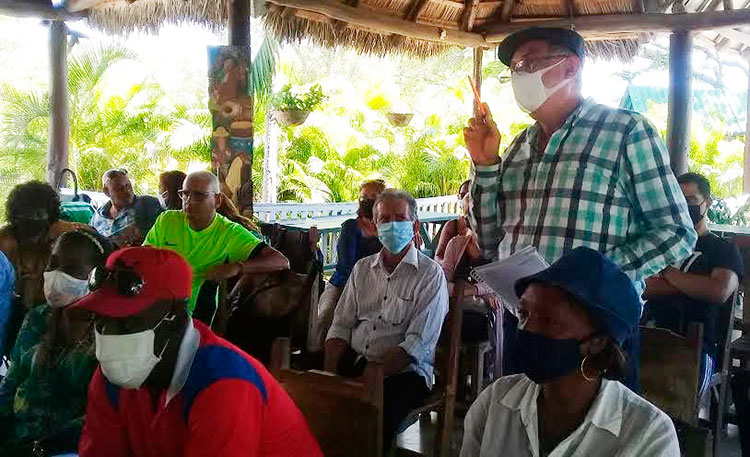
{"type": "Point", "coordinates": [123, 16]}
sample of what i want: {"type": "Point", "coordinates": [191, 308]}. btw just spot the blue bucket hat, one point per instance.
{"type": "Point", "coordinates": [597, 284]}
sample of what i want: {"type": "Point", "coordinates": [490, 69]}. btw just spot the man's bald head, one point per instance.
{"type": "Point", "coordinates": [204, 177]}
{"type": "Point", "coordinates": [201, 196]}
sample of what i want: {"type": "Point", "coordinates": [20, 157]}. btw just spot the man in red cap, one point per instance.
{"type": "Point", "coordinates": [166, 385]}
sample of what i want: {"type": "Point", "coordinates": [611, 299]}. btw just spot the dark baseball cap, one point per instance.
{"type": "Point", "coordinates": [597, 284]}
{"type": "Point", "coordinates": [554, 35]}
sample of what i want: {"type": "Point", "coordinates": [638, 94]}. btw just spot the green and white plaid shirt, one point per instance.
{"type": "Point", "coordinates": [603, 181]}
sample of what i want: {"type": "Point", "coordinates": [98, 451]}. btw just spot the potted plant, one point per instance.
{"type": "Point", "coordinates": [291, 109]}
{"type": "Point", "coordinates": [399, 119]}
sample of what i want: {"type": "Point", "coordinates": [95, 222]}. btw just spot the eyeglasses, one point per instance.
{"type": "Point", "coordinates": [194, 195]}
{"type": "Point", "coordinates": [126, 280]}
{"type": "Point", "coordinates": [534, 64]}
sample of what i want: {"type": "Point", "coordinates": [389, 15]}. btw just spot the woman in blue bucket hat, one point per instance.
{"type": "Point", "coordinates": [573, 317]}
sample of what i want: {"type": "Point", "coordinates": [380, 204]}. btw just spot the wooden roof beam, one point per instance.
{"type": "Point", "coordinates": [364, 18]}
{"type": "Point", "coordinates": [507, 10]}
{"type": "Point", "coordinates": [80, 5]}
{"type": "Point", "coordinates": [22, 8]}
{"type": "Point", "coordinates": [469, 15]}
{"type": "Point", "coordinates": [635, 23]}
{"type": "Point", "coordinates": [415, 10]}
{"type": "Point", "coordinates": [735, 35]}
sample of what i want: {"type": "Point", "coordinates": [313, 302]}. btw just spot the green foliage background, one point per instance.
{"type": "Point", "coordinates": [148, 128]}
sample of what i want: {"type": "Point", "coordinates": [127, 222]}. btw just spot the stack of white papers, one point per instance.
{"type": "Point", "coordinates": [501, 276]}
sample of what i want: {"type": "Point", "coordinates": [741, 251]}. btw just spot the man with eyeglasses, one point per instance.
{"type": "Point", "coordinates": [216, 248]}
{"type": "Point", "coordinates": [583, 175]}
{"type": "Point", "coordinates": [166, 385]}
{"type": "Point", "coordinates": [126, 218]}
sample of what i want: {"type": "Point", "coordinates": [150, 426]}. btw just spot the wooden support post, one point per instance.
{"type": "Point", "coordinates": [680, 97]}
{"type": "Point", "coordinates": [239, 35]}
{"type": "Point", "coordinates": [271, 159]}
{"type": "Point", "coordinates": [746, 172]}
{"type": "Point", "coordinates": [239, 23]}
{"type": "Point", "coordinates": [478, 54]}
{"type": "Point", "coordinates": [57, 148]}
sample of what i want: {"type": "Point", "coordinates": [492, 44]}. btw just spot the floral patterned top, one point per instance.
{"type": "Point", "coordinates": [43, 409]}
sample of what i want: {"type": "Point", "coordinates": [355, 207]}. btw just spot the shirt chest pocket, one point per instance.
{"type": "Point", "coordinates": [398, 310]}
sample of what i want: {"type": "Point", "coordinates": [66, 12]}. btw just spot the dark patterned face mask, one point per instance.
{"type": "Point", "coordinates": [366, 206]}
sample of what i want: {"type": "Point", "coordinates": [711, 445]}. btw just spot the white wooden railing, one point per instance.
{"type": "Point", "coordinates": [286, 212]}
{"type": "Point", "coordinates": [277, 212]}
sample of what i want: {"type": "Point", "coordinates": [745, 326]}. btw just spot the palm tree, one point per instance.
{"type": "Point", "coordinates": [105, 130]}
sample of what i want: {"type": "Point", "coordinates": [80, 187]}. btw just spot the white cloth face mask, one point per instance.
{"type": "Point", "coordinates": [529, 89]}
{"type": "Point", "coordinates": [61, 289]}
{"type": "Point", "coordinates": [127, 360]}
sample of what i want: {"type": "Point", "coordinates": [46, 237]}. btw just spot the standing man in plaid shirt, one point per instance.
{"type": "Point", "coordinates": [583, 175]}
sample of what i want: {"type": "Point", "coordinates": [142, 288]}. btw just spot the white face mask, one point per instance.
{"type": "Point", "coordinates": [61, 289]}
{"type": "Point", "coordinates": [128, 360]}
{"type": "Point", "coordinates": [529, 89]}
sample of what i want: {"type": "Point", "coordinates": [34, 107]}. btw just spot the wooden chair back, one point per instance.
{"type": "Point", "coordinates": [305, 258]}
{"type": "Point", "coordinates": [443, 397]}
{"type": "Point", "coordinates": [670, 370]}
{"type": "Point", "coordinates": [346, 417]}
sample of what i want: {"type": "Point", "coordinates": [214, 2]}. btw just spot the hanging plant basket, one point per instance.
{"type": "Point", "coordinates": [292, 117]}
{"type": "Point", "coordinates": [399, 119]}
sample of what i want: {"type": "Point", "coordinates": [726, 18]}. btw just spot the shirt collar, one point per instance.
{"type": "Point", "coordinates": [104, 210]}
{"type": "Point", "coordinates": [522, 398]}
{"type": "Point", "coordinates": [605, 412]}
{"type": "Point", "coordinates": [581, 111]}
{"type": "Point", "coordinates": [185, 356]}
{"type": "Point", "coordinates": [411, 258]}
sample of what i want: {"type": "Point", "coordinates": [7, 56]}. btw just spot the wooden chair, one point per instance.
{"type": "Point", "coordinates": [720, 379]}
{"type": "Point", "coordinates": [443, 397]}
{"type": "Point", "coordinates": [301, 248]}
{"type": "Point", "coordinates": [346, 417]}
{"type": "Point", "coordinates": [670, 370]}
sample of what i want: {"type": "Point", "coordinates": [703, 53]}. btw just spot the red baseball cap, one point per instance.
{"type": "Point", "coordinates": [164, 275]}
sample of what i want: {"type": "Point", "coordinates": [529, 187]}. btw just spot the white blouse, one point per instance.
{"type": "Point", "coordinates": [503, 422]}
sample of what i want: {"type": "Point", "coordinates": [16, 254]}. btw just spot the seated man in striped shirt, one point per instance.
{"type": "Point", "coordinates": [391, 311]}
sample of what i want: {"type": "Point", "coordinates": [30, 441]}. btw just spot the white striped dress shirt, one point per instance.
{"type": "Point", "coordinates": [406, 308]}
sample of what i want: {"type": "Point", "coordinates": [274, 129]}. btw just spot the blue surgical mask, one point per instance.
{"type": "Point", "coordinates": [395, 236]}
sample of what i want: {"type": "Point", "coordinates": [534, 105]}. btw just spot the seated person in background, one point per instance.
{"type": "Point", "coordinates": [216, 248]}
{"type": "Point", "coordinates": [33, 211]}
{"type": "Point", "coordinates": [358, 239]}
{"type": "Point", "coordinates": [481, 308]}
{"type": "Point", "coordinates": [459, 252]}
{"type": "Point", "coordinates": [125, 218]}
{"type": "Point", "coordinates": [456, 227]}
{"type": "Point", "coordinates": [170, 183]}
{"type": "Point", "coordinates": [391, 311]}
{"type": "Point", "coordinates": [43, 397]}
{"type": "Point", "coordinates": [7, 296]}
{"type": "Point", "coordinates": [166, 385]}
{"type": "Point", "coordinates": [696, 289]}
{"type": "Point", "coordinates": [573, 318]}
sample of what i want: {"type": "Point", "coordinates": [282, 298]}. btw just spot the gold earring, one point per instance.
{"type": "Point", "coordinates": [583, 371]}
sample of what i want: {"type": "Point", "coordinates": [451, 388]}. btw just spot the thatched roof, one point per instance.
{"type": "Point", "coordinates": [120, 17]}
{"type": "Point", "coordinates": [421, 27]}
{"type": "Point", "coordinates": [448, 15]}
